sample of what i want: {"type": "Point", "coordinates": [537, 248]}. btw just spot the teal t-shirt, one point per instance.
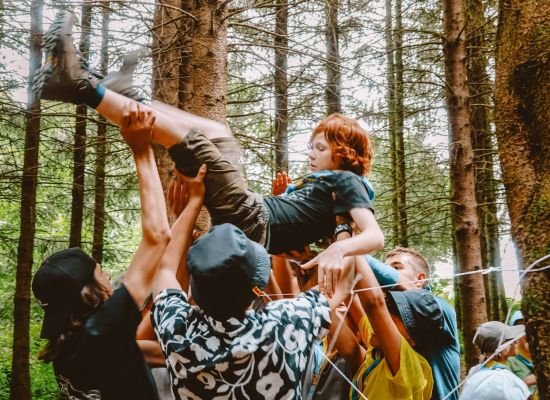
{"type": "Point", "coordinates": [522, 368]}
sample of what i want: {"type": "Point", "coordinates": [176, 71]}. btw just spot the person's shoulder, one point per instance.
{"type": "Point", "coordinates": [170, 303]}
{"type": "Point", "coordinates": [512, 361]}
{"type": "Point", "coordinates": [515, 363]}
{"type": "Point", "coordinates": [499, 383]}
{"type": "Point", "coordinates": [117, 311]}
{"type": "Point", "coordinates": [308, 304]}
{"type": "Point", "coordinates": [171, 294]}
{"type": "Point", "coordinates": [445, 306]}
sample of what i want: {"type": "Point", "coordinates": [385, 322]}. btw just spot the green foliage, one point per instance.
{"type": "Point", "coordinates": [250, 115]}
{"type": "Point", "coordinates": [44, 385]}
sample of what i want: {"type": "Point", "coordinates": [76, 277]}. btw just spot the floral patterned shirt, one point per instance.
{"type": "Point", "coordinates": [262, 356]}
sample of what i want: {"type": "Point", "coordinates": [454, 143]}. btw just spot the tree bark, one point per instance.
{"type": "Point", "coordinates": [185, 96]}
{"type": "Point", "coordinates": [209, 64]}
{"type": "Point", "coordinates": [209, 60]}
{"type": "Point", "coordinates": [486, 187]}
{"type": "Point", "coordinates": [396, 117]}
{"type": "Point", "coordinates": [167, 38]}
{"type": "Point", "coordinates": [398, 87]}
{"type": "Point", "coordinates": [334, 76]}
{"type": "Point", "coordinates": [522, 115]}
{"type": "Point", "coordinates": [101, 148]}
{"type": "Point", "coordinates": [1, 20]}
{"type": "Point", "coordinates": [20, 388]}
{"type": "Point", "coordinates": [463, 197]}
{"type": "Point", "coordinates": [390, 99]}
{"type": "Point", "coordinates": [281, 85]}
{"type": "Point", "coordinates": [79, 149]}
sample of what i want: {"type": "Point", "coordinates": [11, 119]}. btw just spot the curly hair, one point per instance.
{"type": "Point", "coordinates": [349, 141]}
{"type": "Point", "coordinates": [92, 296]}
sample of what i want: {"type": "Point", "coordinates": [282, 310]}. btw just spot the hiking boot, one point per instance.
{"type": "Point", "coordinates": [121, 81]}
{"type": "Point", "coordinates": [63, 76]}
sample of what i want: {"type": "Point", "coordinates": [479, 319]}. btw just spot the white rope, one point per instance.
{"type": "Point", "coordinates": [522, 273]}
{"type": "Point", "coordinates": [437, 278]}
{"type": "Point", "coordinates": [345, 377]}
{"type": "Point", "coordinates": [503, 346]}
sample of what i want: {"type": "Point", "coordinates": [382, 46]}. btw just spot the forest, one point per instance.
{"type": "Point", "coordinates": [454, 93]}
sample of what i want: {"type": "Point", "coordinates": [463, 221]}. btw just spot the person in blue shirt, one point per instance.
{"type": "Point", "coordinates": [407, 269]}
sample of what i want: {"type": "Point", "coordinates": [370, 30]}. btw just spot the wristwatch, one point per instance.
{"type": "Point", "coordinates": [342, 228]}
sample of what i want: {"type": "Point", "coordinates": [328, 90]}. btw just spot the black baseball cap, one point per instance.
{"type": "Point", "coordinates": [57, 285]}
{"type": "Point", "coordinates": [227, 270]}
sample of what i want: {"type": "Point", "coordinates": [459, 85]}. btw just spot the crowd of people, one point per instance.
{"type": "Point", "coordinates": [278, 300]}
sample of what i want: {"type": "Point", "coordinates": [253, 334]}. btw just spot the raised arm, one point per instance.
{"type": "Point", "coordinates": [379, 317]}
{"type": "Point", "coordinates": [346, 341]}
{"type": "Point", "coordinates": [137, 125]}
{"type": "Point", "coordinates": [331, 261]}
{"type": "Point", "coordinates": [385, 274]}
{"type": "Point", "coordinates": [190, 192]}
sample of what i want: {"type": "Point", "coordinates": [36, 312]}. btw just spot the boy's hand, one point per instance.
{"type": "Point", "coordinates": [137, 126]}
{"type": "Point", "coordinates": [330, 264]}
{"type": "Point", "coordinates": [280, 183]}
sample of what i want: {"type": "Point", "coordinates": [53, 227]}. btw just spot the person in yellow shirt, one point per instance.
{"type": "Point", "coordinates": [391, 367]}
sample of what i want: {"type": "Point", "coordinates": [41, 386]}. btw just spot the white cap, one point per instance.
{"type": "Point", "coordinates": [494, 384]}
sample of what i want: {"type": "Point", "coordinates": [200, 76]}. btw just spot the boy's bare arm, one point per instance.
{"type": "Point", "coordinates": [330, 262]}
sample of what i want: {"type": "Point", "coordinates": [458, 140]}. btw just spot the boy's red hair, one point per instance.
{"type": "Point", "coordinates": [348, 140]}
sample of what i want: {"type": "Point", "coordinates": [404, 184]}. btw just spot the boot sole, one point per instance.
{"type": "Point", "coordinates": [52, 44]}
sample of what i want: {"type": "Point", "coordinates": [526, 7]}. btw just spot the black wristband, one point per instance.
{"type": "Point", "coordinates": [342, 228]}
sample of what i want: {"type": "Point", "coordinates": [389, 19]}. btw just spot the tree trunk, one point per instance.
{"type": "Point", "coordinates": [463, 196]}
{"type": "Point", "coordinates": [281, 86]}
{"type": "Point", "coordinates": [334, 76]}
{"type": "Point", "coordinates": [101, 149]}
{"type": "Point", "coordinates": [401, 180]}
{"type": "Point", "coordinates": [79, 150]}
{"type": "Point", "coordinates": [20, 388]}
{"type": "Point", "coordinates": [185, 97]}
{"type": "Point", "coordinates": [1, 20]}
{"type": "Point", "coordinates": [480, 104]}
{"type": "Point", "coordinates": [396, 116]}
{"type": "Point", "coordinates": [209, 63]}
{"type": "Point", "coordinates": [522, 115]}
{"type": "Point", "coordinates": [456, 286]}
{"type": "Point", "coordinates": [167, 36]}
{"type": "Point", "coordinates": [209, 60]}
{"type": "Point", "coordinates": [390, 98]}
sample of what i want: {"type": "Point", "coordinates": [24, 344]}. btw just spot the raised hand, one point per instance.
{"type": "Point", "coordinates": [182, 189]}
{"type": "Point", "coordinates": [280, 183]}
{"type": "Point", "coordinates": [194, 185]}
{"type": "Point", "coordinates": [137, 126]}
{"type": "Point", "coordinates": [330, 264]}
{"type": "Point", "coordinates": [177, 197]}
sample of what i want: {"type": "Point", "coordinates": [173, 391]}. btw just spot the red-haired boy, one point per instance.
{"type": "Point", "coordinates": [281, 224]}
